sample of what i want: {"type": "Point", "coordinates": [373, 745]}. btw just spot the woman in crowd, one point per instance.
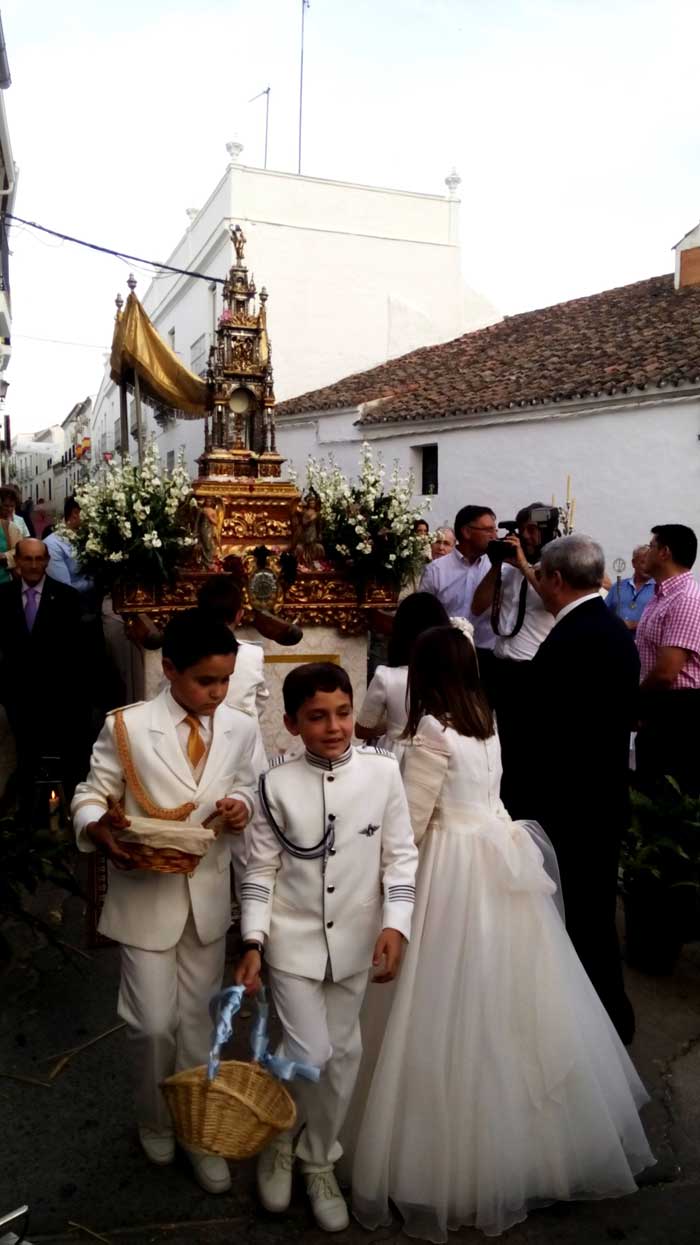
{"type": "Point", "coordinates": [498, 1082]}
{"type": "Point", "coordinates": [9, 533]}
{"type": "Point", "coordinates": [384, 711]}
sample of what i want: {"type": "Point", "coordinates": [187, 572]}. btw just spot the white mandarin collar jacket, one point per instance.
{"type": "Point", "coordinates": [330, 909]}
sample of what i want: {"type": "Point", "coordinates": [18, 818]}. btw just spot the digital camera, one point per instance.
{"type": "Point", "coordinates": [547, 520]}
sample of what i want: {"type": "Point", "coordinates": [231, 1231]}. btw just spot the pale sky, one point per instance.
{"type": "Point", "coordinates": [573, 123]}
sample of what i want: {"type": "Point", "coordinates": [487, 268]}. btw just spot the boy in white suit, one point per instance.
{"type": "Point", "coordinates": [187, 748]}
{"type": "Point", "coordinates": [328, 893]}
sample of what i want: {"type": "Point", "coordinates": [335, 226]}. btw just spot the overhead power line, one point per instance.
{"type": "Point", "coordinates": [108, 250]}
{"type": "Point", "coordinates": [57, 341]}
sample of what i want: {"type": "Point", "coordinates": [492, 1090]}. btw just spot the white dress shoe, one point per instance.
{"type": "Point", "coordinates": [274, 1175]}
{"type": "Point", "coordinates": [210, 1171]}
{"type": "Point", "coordinates": [327, 1202]}
{"type": "Point", "coordinates": [158, 1147]}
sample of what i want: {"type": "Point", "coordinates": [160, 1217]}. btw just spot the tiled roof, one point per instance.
{"type": "Point", "coordinates": [637, 336]}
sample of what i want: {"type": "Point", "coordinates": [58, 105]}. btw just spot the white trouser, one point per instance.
{"type": "Point", "coordinates": [164, 999]}
{"type": "Point", "coordinates": [321, 1026]}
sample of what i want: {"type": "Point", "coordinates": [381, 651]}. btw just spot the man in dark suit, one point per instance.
{"type": "Point", "coordinates": [41, 681]}
{"type": "Point", "coordinates": [585, 680]}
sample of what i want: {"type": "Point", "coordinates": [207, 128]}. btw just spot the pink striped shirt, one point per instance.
{"type": "Point", "coordinates": [672, 620]}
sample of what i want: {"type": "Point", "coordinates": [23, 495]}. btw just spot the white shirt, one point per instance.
{"type": "Point", "coordinates": [182, 730]}
{"type": "Point", "coordinates": [454, 580]}
{"type": "Point", "coordinates": [385, 701]}
{"type": "Point", "coordinates": [537, 623]}
{"type": "Point", "coordinates": [590, 596]}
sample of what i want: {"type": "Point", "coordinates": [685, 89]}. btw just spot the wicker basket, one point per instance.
{"type": "Point", "coordinates": [235, 1115]}
{"type": "Point", "coordinates": [160, 859]}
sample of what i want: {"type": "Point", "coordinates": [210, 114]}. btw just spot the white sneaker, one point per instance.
{"type": "Point", "coordinates": [274, 1175]}
{"type": "Point", "coordinates": [210, 1171]}
{"type": "Point", "coordinates": [158, 1147]}
{"type": "Point", "coordinates": [327, 1202]}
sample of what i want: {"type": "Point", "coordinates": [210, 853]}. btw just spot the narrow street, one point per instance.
{"type": "Point", "coordinates": [70, 1148]}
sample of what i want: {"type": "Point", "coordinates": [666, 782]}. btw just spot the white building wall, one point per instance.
{"type": "Point", "coordinates": [632, 464]}
{"type": "Point", "coordinates": [355, 275]}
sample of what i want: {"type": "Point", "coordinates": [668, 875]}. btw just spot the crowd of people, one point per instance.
{"type": "Point", "coordinates": [463, 859]}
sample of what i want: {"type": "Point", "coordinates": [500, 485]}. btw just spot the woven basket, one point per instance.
{"type": "Point", "coordinates": [160, 859]}
{"type": "Point", "coordinates": [235, 1115]}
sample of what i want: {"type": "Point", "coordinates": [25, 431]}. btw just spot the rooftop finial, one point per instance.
{"type": "Point", "coordinates": [234, 149]}
{"type": "Point", "coordinates": [119, 302]}
{"type": "Point", "coordinates": [452, 181]}
{"type": "Point", "coordinates": [192, 214]}
{"type": "Point", "coordinates": [132, 282]}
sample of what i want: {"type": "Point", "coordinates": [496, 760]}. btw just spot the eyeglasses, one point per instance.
{"type": "Point", "coordinates": [490, 529]}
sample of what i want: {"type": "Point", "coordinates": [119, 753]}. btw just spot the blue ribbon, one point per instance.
{"type": "Point", "coordinates": [222, 1009]}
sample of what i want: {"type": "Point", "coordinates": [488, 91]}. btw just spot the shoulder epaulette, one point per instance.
{"type": "Point", "coordinates": [373, 750]}
{"type": "Point", "coordinates": [281, 759]}
{"type": "Point", "coordinates": [120, 708]}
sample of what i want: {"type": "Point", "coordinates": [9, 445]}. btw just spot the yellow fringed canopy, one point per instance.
{"type": "Point", "coordinates": [138, 347]}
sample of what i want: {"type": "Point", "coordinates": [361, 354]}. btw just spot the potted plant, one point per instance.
{"type": "Point", "coordinates": [660, 874]}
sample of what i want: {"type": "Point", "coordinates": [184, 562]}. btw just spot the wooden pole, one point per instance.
{"type": "Point", "coordinates": [123, 422]}
{"type": "Point", "coordinates": [139, 418]}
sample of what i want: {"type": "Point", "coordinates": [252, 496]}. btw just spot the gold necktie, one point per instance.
{"type": "Point", "coordinates": [196, 746]}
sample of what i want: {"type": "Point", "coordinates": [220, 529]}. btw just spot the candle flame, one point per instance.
{"type": "Point", "coordinates": [53, 795]}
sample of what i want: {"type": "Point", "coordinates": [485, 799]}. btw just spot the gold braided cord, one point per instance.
{"type": "Point", "coordinates": [134, 783]}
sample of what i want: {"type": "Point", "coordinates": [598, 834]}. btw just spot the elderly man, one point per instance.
{"type": "Point", "coordinates": [576, 726]}
{"type": "Point", "coordinates": [41, 678]}
{"type": "Point", "coordinates": [628, 598]}
{"type": "Point", "coordinates": [443, 542]}
{"type": "Point", "coordinates": [668, 639]}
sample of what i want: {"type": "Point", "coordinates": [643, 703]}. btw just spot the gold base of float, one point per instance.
{"type": "Point", "coordinates": [246, 513]}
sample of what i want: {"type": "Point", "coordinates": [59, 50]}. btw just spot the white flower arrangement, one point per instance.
{"type": "Point", "coordinates": [368, 524]}
{"type": "Point", "coordinates": [134, 521]}
{"type": "Point", "coordinates": [464, 625]}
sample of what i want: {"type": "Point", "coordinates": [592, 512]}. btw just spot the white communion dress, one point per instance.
{"type": "Point", "coordinates": [385, 705]}
{"type": "Point", "coordinates": [497, 1083]}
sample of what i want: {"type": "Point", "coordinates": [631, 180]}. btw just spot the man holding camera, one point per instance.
{"type": "Point", "coordinates": [455, 578]}
{"type": "Point", "coordinates": [521, 622]}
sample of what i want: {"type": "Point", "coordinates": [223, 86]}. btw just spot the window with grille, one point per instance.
{"type": "Point", "coordinates": [429, 470]}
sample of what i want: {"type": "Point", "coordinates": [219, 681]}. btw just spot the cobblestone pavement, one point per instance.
{"type": "Point", "coordinates": [69, 1147]}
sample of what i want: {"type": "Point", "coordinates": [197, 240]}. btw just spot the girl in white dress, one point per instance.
{"type": "Point", "coordinates": [498, 1083]}
{"type": "Point", "coordinates": [384, 710]}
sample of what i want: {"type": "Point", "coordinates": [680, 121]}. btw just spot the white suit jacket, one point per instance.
{"type": "Point", "coordinates": [149, 910]}
{"type": "Point", "coordinates": [247, 689]}
{"type": "Point", "coordinates": [316, 911]}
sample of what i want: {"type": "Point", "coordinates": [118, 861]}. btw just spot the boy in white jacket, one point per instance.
{"type": "Point", "coordinates": [328, 893]}
{"type": "Point", "coordinates": [187, 750]}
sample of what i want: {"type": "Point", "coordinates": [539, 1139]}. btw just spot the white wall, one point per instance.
{"type": "Point", "coordinates": [632, 464]}
{"type": "Point", "coordinates": [355, 275]}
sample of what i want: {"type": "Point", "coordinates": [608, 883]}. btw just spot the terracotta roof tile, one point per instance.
{"type": "Point", "coordinates": [646, 334]}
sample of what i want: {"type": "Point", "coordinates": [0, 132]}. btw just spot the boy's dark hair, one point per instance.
{"type": "Point", "coordinates": [192, 635]}
{"type": "Point", "coordinates": [681, 542]}
{"type": "Point", "coordinates": [443, 680]}
{"type": "Point", "coordinates": [303, 682]}
{"type": "Point", "coordinates": [467, 515]}
{"type": "Point", "coordinates": [220, 596]}
{"type": "Point", "coordinates": [69, 505]}
{"type": "Point", "coordinates": [416, 613]}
